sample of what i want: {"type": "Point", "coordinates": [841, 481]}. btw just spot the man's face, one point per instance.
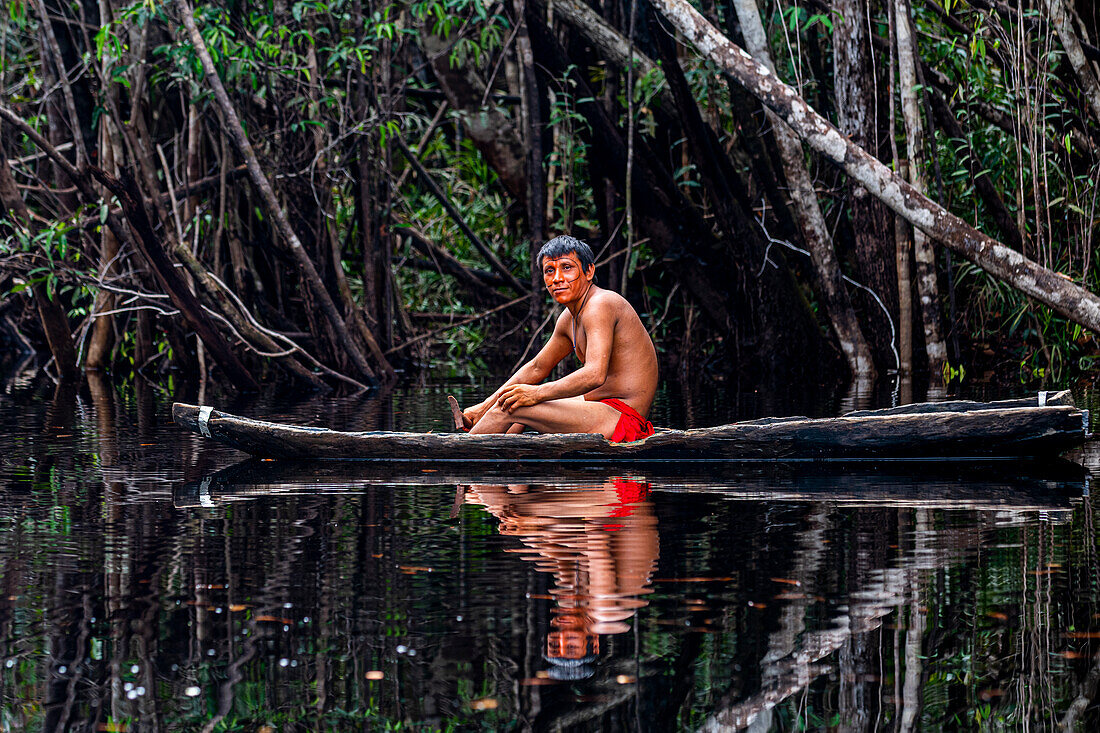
{"type": "Point", "coordinates": [565, 278]}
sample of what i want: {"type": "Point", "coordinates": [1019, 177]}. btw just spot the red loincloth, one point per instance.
{"type": "Point", "coordinates": [631, 425]}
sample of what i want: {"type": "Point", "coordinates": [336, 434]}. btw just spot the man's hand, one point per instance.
{"type": "Point", "coordinates": [519, 395]}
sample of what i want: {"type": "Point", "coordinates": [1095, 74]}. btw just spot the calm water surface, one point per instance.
{"type": "Point", "coordinates": [153, 582]}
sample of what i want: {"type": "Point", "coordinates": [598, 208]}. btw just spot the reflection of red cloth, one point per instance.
{"type": "Point", "coordinates": [631, 425]}
{"type": "Point", "coordinates": [630, 492]}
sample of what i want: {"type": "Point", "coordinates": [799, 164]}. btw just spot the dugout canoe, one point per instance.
{"type": "Point", "coordinates": [1046, 425]}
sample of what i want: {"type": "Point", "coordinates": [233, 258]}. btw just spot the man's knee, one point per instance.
{"type": "Point", "coordinates": [496, 420]}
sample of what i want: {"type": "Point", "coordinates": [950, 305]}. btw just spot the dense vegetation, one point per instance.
{"type": "Point", "coordinates": [331, 190]}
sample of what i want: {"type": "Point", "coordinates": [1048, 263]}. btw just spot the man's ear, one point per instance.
{"type": "Point", "coordinates": [590, 273]}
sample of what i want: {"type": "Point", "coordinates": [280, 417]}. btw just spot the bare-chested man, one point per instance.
{"type": "Point", "coordinates": [611, 393]}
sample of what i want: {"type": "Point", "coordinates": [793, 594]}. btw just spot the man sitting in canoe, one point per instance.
{"type": "Point", "coordinates": [612, 391]}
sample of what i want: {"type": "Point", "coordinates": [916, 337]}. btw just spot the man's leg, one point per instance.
{"type": "Point", "coordinates": [462, 423]}
{"type": "Point", "coordinates": [573, 415]}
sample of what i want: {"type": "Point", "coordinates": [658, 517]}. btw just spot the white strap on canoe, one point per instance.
{"type": "Point", "coordinates": [204, 420]}
{"type": "Point", "coordinates": [204, 490]}
{"type": "Point", "coordinates": [1043, 399]}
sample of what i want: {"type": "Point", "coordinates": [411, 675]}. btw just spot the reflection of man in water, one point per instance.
{"type": "Point", "coordinates": [600, 544]}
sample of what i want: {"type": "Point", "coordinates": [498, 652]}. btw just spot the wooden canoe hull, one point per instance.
{"type": "Point", "coordinates": [966, 430]}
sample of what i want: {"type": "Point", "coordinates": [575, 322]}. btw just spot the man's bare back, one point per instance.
{"type": "Point", "coordinates": [618, 361]}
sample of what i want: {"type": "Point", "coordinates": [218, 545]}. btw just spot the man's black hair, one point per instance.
{"type": "Point", "coordinates": [563, 245]}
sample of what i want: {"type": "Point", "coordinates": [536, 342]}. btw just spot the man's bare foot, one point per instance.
{"type": "Point", "coordinates": [461, 421]}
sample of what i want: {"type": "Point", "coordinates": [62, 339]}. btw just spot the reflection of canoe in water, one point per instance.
{"type": "Point", "coordinates": [978, 485]}
{"type": "Point", "coordinates": [1012, 428]}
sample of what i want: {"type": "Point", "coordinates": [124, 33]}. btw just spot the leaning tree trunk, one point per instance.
{"type": "Point", "coordinates": [1064, 297]}
{"type": "Point", "coordinates": [928, 290]}
{"type": "Point", "coordinates": [871, 228]}
{"type": "Point", "coordinates": [1059, 18]}
{"type": "Point", "coordinates": [491, 132]}
{"type": "Point", "coordinates": [815, 233]}
{"type": "Point", "coordinates": [237, 135]}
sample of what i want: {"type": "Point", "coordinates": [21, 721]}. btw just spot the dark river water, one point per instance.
{"type": "Point", "coordinates": [154, 582]}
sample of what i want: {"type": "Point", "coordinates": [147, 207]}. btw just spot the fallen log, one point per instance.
{"type": "Point", "coordinates": [994, 432]}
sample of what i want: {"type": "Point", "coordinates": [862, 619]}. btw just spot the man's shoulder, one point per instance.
{"type": "Point", "coordinates": [612, 303]}
{"type": "Point", "coordinates": [609, 298]}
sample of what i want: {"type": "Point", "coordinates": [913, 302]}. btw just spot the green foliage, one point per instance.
{"type": "Point", "coordinates": [1037, 173]}
{"type": "Point", "coordinates": [473, 187]}
{"type": "Point", "coordinates": [454, 18]}
{"type": "Point", "coordinates": [801, 19]}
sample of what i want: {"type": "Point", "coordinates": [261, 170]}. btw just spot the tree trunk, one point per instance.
{"type": "Point", "coordinates": [871, 226]}
{"type": "Point", "coordinates": [536, 175]}
{"type": "Point", "coordinates": [927, 288]}
{"type": "Point", "coordinates": [776, 318]}
{"type": "Point", "coordinates": [55, 322]}
{"type": "Point", "coordinates": [903, 240]}
{"type": "Point", "coordinates": [369, 240]}
{"type": "Point", "coordinates": [1059, 18]}
{"type": "Point", "coordinates": [377, 311]}
{"type": "Point", "coordinates": [903, 247]}
{"type": "Point", "coordinates": [1063, 296]}
{"type": "Point", "coordinates": [101, 340]}
{"type": "Point", "coordinates": [815, 233]}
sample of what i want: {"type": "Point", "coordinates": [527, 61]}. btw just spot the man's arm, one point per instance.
{"type": "Point", "coordinates": [534, 371]}
{"type": "Point", "coordinates": [599, 329]}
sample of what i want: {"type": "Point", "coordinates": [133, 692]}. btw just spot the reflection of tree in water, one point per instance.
{"type": "Point", "coordinates": [600, 545]}
{"type": "Point", "coordinates": [904, 614]}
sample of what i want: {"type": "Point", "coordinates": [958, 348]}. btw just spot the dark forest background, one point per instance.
{"type": "Point", "coordinates": [332, 191]}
